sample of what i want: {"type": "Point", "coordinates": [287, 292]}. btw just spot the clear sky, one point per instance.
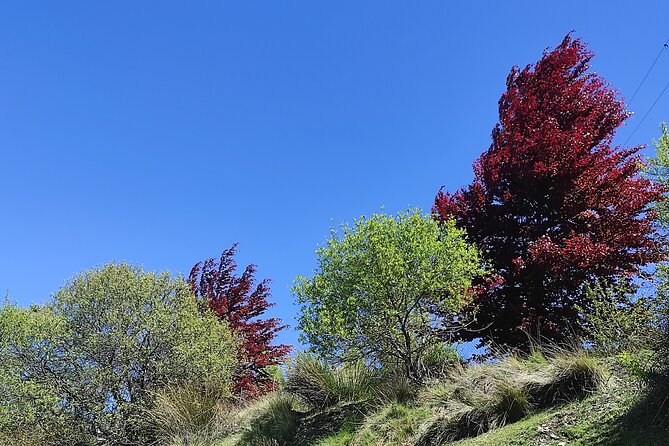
{"type": "Point", "coordinates": [160, 133]}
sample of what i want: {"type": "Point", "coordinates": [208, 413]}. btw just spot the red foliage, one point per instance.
{"type": "Point", "coordinates": [553, 203]}
{"type": "Point", "coordinates": [239, 301]}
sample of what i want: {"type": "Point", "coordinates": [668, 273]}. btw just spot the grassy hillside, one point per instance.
{"type": "Point", "coordinates": [569, 399]}
{"type": "Point", "coordinates": [614, 415]}
{"type": "Point", "coordinates": [609, 417]}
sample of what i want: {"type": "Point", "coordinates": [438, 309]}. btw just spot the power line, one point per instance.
{"type": "Point", "coordinates": [647, 113]}
{"type": "Point", "coordinates": [665, 46]}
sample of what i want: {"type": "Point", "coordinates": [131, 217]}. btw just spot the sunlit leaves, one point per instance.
{"type": "Point", "coordinates": [386, 288]}
{"type": "Point", "coordinates": [554, 204]}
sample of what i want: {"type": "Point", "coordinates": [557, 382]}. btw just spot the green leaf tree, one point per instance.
{"type": "Point", "coordinates": [90, 359]}
{"type": "Point", "coordinates": [658, 169]}
{"type": "Point", "coordinates": [387, 289]}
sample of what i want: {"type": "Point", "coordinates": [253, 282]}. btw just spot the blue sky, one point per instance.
{"type": "Point", "coordinates": [160, 133]}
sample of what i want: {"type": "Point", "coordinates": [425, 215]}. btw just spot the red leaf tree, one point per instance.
{"type": "Point", "coordinates": [239, 301]}
{"type": "Point", "coordinates": [553, 203]}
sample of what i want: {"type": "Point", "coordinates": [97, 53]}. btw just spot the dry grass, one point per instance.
{"type": "Point", "coordinates": [273, 419]}
{"type": "Point", "coordinates": [321, 385]}
{"type": "Point", "coordinates": [479, 398]}
{"type": "Point", "coordinates": [344, 405]}
{"type": "Point", "coordinates": [191, 414]}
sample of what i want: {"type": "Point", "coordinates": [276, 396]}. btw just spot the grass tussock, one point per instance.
{"type": "Point", "coordinates": [480, 398]}
{"type": "Point", "coordinates": [476, 400]}
{"type": "Point", "coordinates": [568, 377]}
{"type": "Point", "coordinates": [393, 424]}
{"type": "Point", "coordinates": [395, 387]}
{"type": "Point", "coordinates": [354, 405]}
{"type": "Point", "coordinates": [321, 385]}
{"type": "Point", "coordinates": [191, 414]}
{"type": "Point", "coordinates": [271, 420]}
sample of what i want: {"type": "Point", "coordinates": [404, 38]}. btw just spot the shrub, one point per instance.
{"type": "Point", "coordinates": [30, 412]}
{"type": "Point", "coordinates": [617, 321]}
{"type": "Point", "coordinates": [241, 303]}
{"type": "Point", "coordinates": [660, 364]}
{"type": "Point", "coordinates": [91, 357]}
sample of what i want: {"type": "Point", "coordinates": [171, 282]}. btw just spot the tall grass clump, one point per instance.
{"type": "Point", "coordinates": [395, 387]}
{"type": "Point", "coordinates": [191, 414]}
{"type": "Point", "coordinates": [438, 361]}
{"type": "Point", "coordinates": [472, 401]}
{"type": "Point", "coordinates": [321, 385]}
{"type": "Point", "coordinates": [271, 420]}
{"type": "Point", "coordinates": [478, 398]}
{"type": "Point", "coordinates": [568, 377]}
{"type": "Point", "coordinates": [393, 424]}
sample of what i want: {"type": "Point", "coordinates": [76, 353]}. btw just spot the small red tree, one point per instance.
{"type": "Point", "coordinates": [553, 204]}
{"type": "Point", "coordinates": [239, 301]}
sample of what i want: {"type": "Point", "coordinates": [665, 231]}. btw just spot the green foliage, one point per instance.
{"type": "Point", "coordinates": [616, 321]}
{"type": "Point", "coordinates": [658, 373]}
{"type": "Point", "coordinates": [27, 406]}
{"type": "Point", "coordinates": [387, 289]}
{"type": "Point", "coordinates": [91, 357]}
{"type": "Point", "coordinates": [658, 169]}
{"type": "Point", "coordinates": [637, 364]}
{"type": "Point", "coordinates": [621, 325]}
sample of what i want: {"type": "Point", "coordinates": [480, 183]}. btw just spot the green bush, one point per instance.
{"type": "Point", "coordinates": [656, 370]}
{"type": "Point", "coordinates": [31, 411]}
{"type": "Point", "coordinates": [85, 364]}
{"type": "Point", "coordinates": [617, 320]}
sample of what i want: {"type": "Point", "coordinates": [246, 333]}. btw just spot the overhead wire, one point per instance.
{"type": "Point", "coordinates": [666, 87]}
{"type": "Point", "coordinates": [647, 113]}
{"type": "Point", "coordinates": [664, 47]}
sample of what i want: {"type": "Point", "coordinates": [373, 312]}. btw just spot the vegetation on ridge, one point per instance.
{"type": "Point", "coordinates": [548, 277]}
